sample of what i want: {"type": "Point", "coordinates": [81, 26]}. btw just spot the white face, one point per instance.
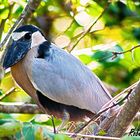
{"type": "Point", "coordinates": [37, 37]}
{"type": "Point", "coordinates": [17, 35]}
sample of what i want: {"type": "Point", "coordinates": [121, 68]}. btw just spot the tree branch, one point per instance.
{"type": "Point", "coordinates": [72, 22]}
{"type": "Point", "coordinates": [22, 108]}
{"type": "Point", "coordinates": [92, 136]}
{"type": "Point", "coordinates": [105, 107]}
{"type": "Point", "coordinates": [126, 115]}
{"type": "Point", "coordinates": [115, 54]}
{"type": "Point", "coordinates": [88, 30]}
{"type": "Point", "coordinates": [7, 93]}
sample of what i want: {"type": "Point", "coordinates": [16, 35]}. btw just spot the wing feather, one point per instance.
{"type": "Point", "coordinates": [64, 79]}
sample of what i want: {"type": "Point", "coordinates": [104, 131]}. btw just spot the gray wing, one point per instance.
{"type": "Point", "coordinates": [64, 79]}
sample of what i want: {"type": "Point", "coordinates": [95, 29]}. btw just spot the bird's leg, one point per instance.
{"type": "Point", "coordinates": [65, 119]}
{"type": "Point", "coordinates": [53, 124]}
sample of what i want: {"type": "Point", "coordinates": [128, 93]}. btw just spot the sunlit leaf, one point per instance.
{"type": "Point", "coordinates": [18, 10]}
{"type": "Point", "coordinates": [23, 117]}
{"type": "Point", "coordinates": [7, 82]}
{"type": "Point", "coordinates": [102, 133]}
{"type": "Point", "coordinates": [4, 13]}
{"type": "Point", "coordinates": [131, 5]}
{"type": "Point", "coordinates": [61, 137]}
{"type": "Point", "coordinates": [57, 122]}
{"type": "Point", "coordinates": [136, 54]}
{"type": "Point", "coordinates": [9, 127]}
{"type": "Point", "coordinates": [39, 134]}
{"type": "Point", "coordinates": [85, 58]}
{"type": "Point", "coordinates": [106, 55]}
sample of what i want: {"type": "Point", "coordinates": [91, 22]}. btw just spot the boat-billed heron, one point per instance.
{"type": "Point", "coordinates": [57, 81]}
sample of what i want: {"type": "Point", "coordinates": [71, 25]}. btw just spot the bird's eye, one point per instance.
{"type": "Point", "coordinates": [27, 36]}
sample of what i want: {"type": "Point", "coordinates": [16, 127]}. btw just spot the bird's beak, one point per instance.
{"type": "Point", "coordinates": [15, 53]}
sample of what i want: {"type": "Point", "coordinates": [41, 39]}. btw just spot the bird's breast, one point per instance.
{"type": "Point", "coordinates": [20, 76]}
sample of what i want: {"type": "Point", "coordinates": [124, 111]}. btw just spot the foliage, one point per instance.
{"type": "Point", "coordinates": [63, 22]}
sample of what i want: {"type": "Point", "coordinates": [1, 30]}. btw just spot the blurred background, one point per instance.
{"type": "Point", "coordinates": [70, 24]}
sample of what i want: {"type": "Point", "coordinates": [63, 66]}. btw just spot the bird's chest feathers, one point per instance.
{"type": "Point", "coordinates": [20, 76]}
{"type": "Point", "coordinates": [19, 72]}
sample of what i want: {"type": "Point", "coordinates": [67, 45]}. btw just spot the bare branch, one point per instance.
{"type": "Point", "coordinates": [121, 94]}
{"type": "Point", "coordinates": [78, 35]}
{"type": "Point", "coordinates": [24, 108]}
{"type": "Point", "coordinates": [88, 30]}
{"type": "Point", "coordinates": [7, 93]}
{"type": "Point", "coordinates": [92, 136]}
{"type": "Point", "coordinates": [127, 114]}
{"type": "Point", "coordinates": [115, 54]}
{"type": "Point", "coordinates": [67, 28]}
{"type": "Point", "coordinates": [130, 50]}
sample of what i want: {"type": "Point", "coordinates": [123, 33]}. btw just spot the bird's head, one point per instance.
{"type": "Point", "coordinates": [23, 39]}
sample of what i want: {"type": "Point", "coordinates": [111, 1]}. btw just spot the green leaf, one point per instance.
{"type": "Point", "coordinates": [131, 138]}
{"type": "Point", "coordinates": [23, 117]}
{"type": "Point", "coordinates": [30, 131]}
{"type": "Point", "coordinates": [57, 122]}
{"type": "Point", "coordinates": [106, 56]}
{"type": "Point", "coordinates": [26, 133]}
{"type": "Point", "coordinates": [9, 127]}
{"type": "Point", "coordinates": [39, 134]}
{"type": "Point", "coordinates": [18, 11]}
{"type": "Point", "coordinates": [4, 13]}
{"type": "Point", "coordinates": [102, 132]}
{"type": "Point", "coordinates": [1, 92]}
{"type": "Point", "coordinates": [7, 82]}
{"type": "Point", "coordinates": [85, 58]}
{"type": "Point", "coordinates": [61, 137]}
{"type": "Point", "coordinates": [5, 116]}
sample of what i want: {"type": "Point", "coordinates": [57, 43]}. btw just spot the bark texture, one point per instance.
{"type": "Point", "coordinates": [126, 115]}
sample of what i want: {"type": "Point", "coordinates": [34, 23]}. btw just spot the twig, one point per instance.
{"type": "Point", "coordinates": [118, 96]}
{"type": "Point", "coordinates": [78, 35]}
{"type": "Point", "coordinates": [115, 54]}
{"type": "Point", "coordinates": [53, 124]}
{"type": "Point", "coordinates": [28, 10]}
{"type": "Point", "coordinates": [20, 108]}
{"type": "Point", "coordinates": [126, 115]}
{"type": "Point", "coordinates": [4, 20]}
{"type": "Point", "coordinates": [130, 50]}
{"type": "Point", "coordinates": [2, 27]}
{"type": "Point", "coordinates": [105, 124]}
{"type": "Point", "coordinates": [67, 28]}
{"type": "Point", "coordinates": [7, 93]}
{"type": "Point", "coordinates": [88, 30]}
{"type": "Point", "coordinates": [93, 136]}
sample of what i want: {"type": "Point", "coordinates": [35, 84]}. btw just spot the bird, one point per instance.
{"type": "Point", "coordinates": [59, 83]}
